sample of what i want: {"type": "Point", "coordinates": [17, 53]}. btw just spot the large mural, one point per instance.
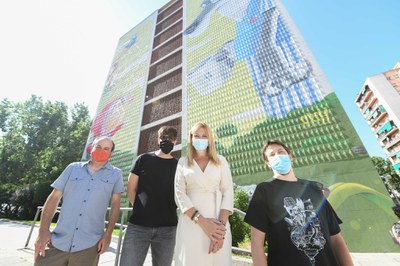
{"type": "Point", "coordinates": [250, 76]}
{"type": "Point", "coordinates": [121, 105]}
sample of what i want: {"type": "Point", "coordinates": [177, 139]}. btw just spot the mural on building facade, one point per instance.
{"type": "Point", "coordinates": [119, 110]}
{"type": "Point", "coordinates": [250, 79]}
{"type": "Point", "coordinates": [280, 75]}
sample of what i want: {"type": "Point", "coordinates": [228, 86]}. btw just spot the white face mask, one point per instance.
{"type": "Point", "coordinates": [200, 144]}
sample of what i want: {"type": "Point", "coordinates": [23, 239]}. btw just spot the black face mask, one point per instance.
{"type": "Point", "coordinates": [166, 146]}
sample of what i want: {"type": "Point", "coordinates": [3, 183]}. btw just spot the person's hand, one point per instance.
{"type": "Point", "coordinates": [41, 242]}
{"type": "Point", "coordinates": [212, 228]}
{"type": "Point", "coordinates": [216, 246]}
{"type": "Point", "coordinates": [104, 243]}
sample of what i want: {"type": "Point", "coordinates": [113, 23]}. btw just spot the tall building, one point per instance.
{"type": "Point", "coordinates": [379, 102]}
{"type": "Point", "coordinates": [242, 67]}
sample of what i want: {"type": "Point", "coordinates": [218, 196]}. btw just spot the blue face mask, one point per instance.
{"type": "Point", "coordinates": [281, 164]}
{"type": "Point", "coordinates": [200, 144]}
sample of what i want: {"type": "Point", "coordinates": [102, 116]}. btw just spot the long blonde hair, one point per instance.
{"type": "Point", "coordinates": [211, 150]}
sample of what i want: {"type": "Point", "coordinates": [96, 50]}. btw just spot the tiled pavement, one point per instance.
{"type": "Point", "coordinates": [13, 236]}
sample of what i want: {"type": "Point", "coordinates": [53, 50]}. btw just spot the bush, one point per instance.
{"type": "Point", "coordinates": [42, 191]}
{"type": "Point", "coordinates": [25, 199]}
{"type": "Point", "coordinates": [21, 202]}
{"type": "Point", "coordinates": [239, 228]}
{"type": "Point", "coordinates": [6, 192]}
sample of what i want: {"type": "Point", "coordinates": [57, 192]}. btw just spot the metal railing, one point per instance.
{"type": "Point", "coordinates": [122, 227]}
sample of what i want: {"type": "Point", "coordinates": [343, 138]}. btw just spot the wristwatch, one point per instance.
{"type": "Point", "coordinates": [196, 217]}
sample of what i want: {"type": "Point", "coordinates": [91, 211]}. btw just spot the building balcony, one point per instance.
{"type": "Point", "coordinates": [375, 108]}
{"type": "Point", "coordinates": [367, 95]}
{"type": "Point", "coordinates": [361, 96]}
{"type": "Point", "coordinates": [382, 126]}
{"type": "Point", "coordinates": [361, 106]}
{"type": "Point", "coordinates": [391, 142]}
{"type": "Point", "coordinates": [385, 134]}
{"type": "Point", "coordinates": [369, 111]}
{"type": "Point", "coordinates": [369, 104]}
{"type": "Point", "coordinates": [379, 116]}
{"type": "Point", "coordinates": [394, 152]}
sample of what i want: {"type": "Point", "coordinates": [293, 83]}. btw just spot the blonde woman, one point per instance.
{"type": "Point", "coordinates": [204, 195]}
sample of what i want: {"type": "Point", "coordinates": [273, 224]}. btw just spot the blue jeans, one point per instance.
{"type": "Point", "coordinates": [138, 239]}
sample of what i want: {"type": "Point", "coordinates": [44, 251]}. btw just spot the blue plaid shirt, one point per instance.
{"type": "Point", "coordinates": [86, 197]}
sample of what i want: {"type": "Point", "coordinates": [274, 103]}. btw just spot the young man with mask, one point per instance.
{"type": "Point", "coordinates": [151, 192]}
{"type": "Point", "coordinates": [298, 222]}
{"type": "Point", "coordinates": [86, 189]}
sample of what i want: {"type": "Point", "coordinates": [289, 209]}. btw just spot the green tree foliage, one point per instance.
{"type": "Point", "coordinates": [385, 168]}
{"type": "Point", "coordinates": [239, 228]}
{"type": "Point", "coordinates": [38, 139]}
{"type": "Point", "coordinates": [6, 192]}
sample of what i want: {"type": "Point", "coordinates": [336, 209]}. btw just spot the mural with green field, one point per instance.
{"type": "Point", "coordinates": [250, 76]}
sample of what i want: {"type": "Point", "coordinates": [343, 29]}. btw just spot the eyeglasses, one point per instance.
{"type": "Point", "coordinates": [98, 146]}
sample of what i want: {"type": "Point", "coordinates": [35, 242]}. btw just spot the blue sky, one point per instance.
{"type": "Point", "coordinates": [62, 50]}
{"type": "Point", "coordinates": [351, 40]}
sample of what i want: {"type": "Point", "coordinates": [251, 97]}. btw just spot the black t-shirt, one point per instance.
{"type": "Point", "coordinates": [154, 204]}
{"type": "Point", "coordinates": [297, 220]}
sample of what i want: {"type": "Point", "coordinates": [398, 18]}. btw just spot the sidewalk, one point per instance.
{"type": "Point", "coordinates": [13, 236]}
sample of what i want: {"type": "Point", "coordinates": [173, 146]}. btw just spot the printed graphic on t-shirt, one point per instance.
{"type": "Point", "coordinates": [304, 226]}
{"type": "Point", "coordinates": [395, 232]}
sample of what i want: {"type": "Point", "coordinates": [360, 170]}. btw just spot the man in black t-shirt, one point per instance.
{"type": "Point", "coordinates": [151, 192]}
{"type": "Point", "coordinates": [293, 215]}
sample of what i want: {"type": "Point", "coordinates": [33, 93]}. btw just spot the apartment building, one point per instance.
{"type": "Point", "coordinates": [379, 102]}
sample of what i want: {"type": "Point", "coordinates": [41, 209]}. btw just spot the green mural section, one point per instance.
{"type": "Point", "coordinates": [314, 133]}
{"type": "Point", "coordinates": [120, 108]}
{"type": "Point", "coordinates": [249, 80]}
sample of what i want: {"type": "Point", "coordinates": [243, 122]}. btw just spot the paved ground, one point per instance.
{"type": "Point", "coordinates": [13, 237]}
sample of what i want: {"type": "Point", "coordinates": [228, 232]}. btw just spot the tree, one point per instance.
{"type": "Point", "coordinates": [38, 140]}
{"type": "Point", "coordinates": [385, 168]}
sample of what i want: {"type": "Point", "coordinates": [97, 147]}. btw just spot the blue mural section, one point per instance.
{"type": "Point", "coordinates": [282, 78]}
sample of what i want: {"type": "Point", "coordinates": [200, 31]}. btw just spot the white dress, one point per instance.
{"type": "Point", "coordinates": [208, 192]}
